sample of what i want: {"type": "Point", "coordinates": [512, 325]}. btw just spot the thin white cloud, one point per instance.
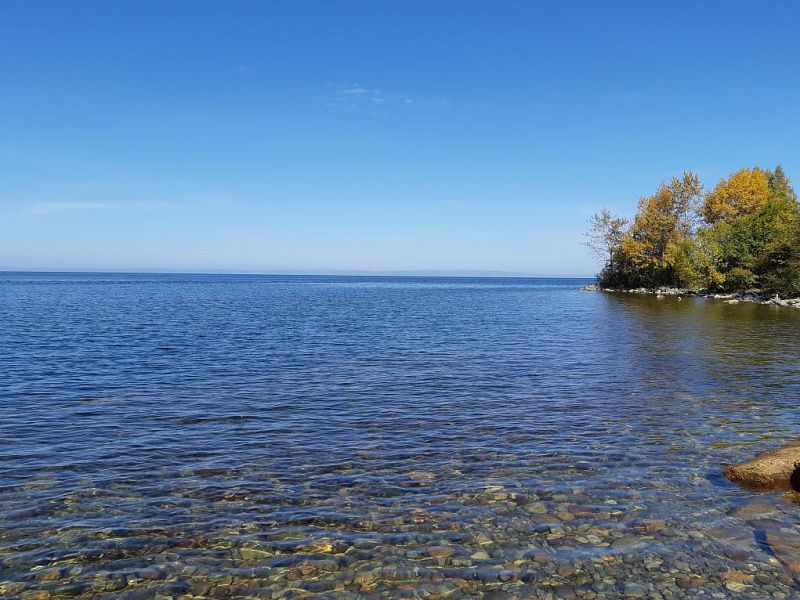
{"type": "Point", "coordinates": [375, 102]}
{"type": "Point", "coordinates": [55, 208]}
{"type": "Point", "coordinates": [356, 90]}
{"type": "Point", "coordinates": [52, 208]}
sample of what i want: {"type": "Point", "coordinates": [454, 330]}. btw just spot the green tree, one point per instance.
{"type": "Point", "coordinates": [780, 264]}
{"type": "Point", "coordinates": [780, 186]}
{"type": "Point", "coordinates": [742, 242]}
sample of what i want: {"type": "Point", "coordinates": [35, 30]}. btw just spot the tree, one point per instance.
{"type": "Point", "coordinates": [742, 241]}
{"type": "Point", "coordinates": [780, 264]}
{"type": "Point", "coordinates": [692, 261]}
{"type": "Point", "coordinates": [605, 234]}
{"type": "Point", "coordinates": [744, 192]}
{"type": "Point", "coordinates": [780, 186]}
{"type": "Point", "coordinates": [750, 237]}
{"type": "Point", "coordinates": [665, 218]}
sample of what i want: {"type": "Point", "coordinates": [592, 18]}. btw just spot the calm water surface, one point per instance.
{"type": "Point", "coordinates": [281, 437]}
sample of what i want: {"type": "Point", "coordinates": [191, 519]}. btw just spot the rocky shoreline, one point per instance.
{"type": "Point", "coordinates": [755, 296]}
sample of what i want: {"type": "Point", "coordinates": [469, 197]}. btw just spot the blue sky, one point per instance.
{"type": "Point", "coordinates": [343, 135]}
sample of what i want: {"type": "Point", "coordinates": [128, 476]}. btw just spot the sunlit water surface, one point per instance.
{"type": "Point", "coordinates": [270, 437]}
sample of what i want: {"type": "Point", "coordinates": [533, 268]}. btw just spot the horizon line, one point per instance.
{"type": "Point", "coordinates": [466, 273]}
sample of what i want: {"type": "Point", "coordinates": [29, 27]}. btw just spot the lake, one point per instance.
{"type": "Point", "coordinates": [379, 437]}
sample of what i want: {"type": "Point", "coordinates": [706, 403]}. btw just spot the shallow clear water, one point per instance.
{"type": "Point", "coordinates": [230, 436]}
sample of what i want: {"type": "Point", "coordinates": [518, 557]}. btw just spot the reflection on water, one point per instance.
{"type": "Point", "coordinates": [279, 437]}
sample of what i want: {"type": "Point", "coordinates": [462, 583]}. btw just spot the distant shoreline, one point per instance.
{"type": "Point", "coordinates": [753, 296]}
{"type": "Point", "coordinates": [397, 274]}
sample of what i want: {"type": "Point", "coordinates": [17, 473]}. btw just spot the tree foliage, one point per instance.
{"type": "Point", "coordinates": [663, 219]}
{"type": "Point", "coordinates": [605, 234]}
{"type": "Point", "coordinates": [780, 186]}
{"type": "Point", "coordinates": [744, 233]}
{"type": "Point", "coordinates": [745, 191]}
{"type": "Point", "coordinates": [780, 264]}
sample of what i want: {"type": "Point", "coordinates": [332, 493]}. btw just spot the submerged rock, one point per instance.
{"type": "Point", "coordinates": [648, 525]}
{"type": "Point", "coordinates": [440, 552]}
{"type": "Point", "coordinates": [775, 470]}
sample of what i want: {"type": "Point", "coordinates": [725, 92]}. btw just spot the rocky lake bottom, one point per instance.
{"type": "Point", "coordinates": [290, 437]}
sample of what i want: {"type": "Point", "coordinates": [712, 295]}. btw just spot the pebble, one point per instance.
{"type": "Point", "coordinates": [648, 525]}
{"type": "Point", "coordinates": [496, 594]}
{"type": "Point", "coordinates": [440, 552]}
{"type": "Point", "coordinates": [635, 590]}
{"type": "Point", "coordinates": [35, 595]}
{"type": "Point", "coordinates": [498, 543]}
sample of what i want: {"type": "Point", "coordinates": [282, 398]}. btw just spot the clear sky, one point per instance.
{"type": "Point", "coordinates": [344, 135]}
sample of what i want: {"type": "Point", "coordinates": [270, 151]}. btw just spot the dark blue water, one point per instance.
{"type": "Point", "coordinates": [265, 436]}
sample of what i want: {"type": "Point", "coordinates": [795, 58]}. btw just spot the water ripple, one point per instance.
{"type": "Point", "coordinates": [248, 436]}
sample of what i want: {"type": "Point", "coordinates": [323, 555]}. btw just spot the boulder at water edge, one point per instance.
{"type": "Point", "coordinates": [775, 470]}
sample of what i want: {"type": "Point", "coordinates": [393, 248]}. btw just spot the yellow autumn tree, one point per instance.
{"type": "Point", "coordinates": [744, 192]}
{"type": "Point", "coordinates": [663, 219]}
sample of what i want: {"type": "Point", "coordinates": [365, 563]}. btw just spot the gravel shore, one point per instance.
{"type": "Point", "coordinates": [755, 296]}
